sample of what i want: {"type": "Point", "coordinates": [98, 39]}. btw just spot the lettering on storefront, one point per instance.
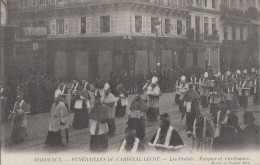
{"type": "Point", "coordinates": [35, 31]}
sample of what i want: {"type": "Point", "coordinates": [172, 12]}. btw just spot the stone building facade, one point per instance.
{"type": "Point", "coordinates": [82, 39]}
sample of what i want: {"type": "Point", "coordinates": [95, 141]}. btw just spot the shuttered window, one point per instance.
{"type": "Point", "coordinates": [53, 27]}
{"type": "Point", "coordinates": [88, 25]}
{"type": "Point", "coordinates": [97, 25]}
{"type": "Point", "coordinates": [112, 24]}
{"type": "Point", "coordinates": [66, 27]}
{"type": "Point", "coordinates": [149, 25]}
{"type": "Point", "coordinates": [105, 24]}
{"type": "Point", "coordinates": [133, 23]}
{"type": "Point", "coordinates": [143, 24]}
{"type": "Point", "coordinates": [184, 27]}
{"type": "Point", "coordinates": [138, 24]}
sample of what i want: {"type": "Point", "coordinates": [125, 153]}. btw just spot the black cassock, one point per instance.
{"type": "Point", "coordinates": [166, 139]}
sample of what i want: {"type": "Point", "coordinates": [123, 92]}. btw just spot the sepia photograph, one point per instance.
{"type": "Point", "coordinates": [130, 82]}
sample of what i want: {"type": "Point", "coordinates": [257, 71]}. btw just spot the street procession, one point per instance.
{"type": "Point", "coordinates": [97, 106]}
{"type": "Point", "coordinates": [130, 76]}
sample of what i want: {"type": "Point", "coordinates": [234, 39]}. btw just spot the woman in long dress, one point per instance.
{"type": "Point", "coordinates": [21, 108]}
{"type": "Point", "coordinates": [81, 115]}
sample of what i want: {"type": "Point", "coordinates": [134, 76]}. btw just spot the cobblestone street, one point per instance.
{"type": "Point", "coordinates": [80, 139]}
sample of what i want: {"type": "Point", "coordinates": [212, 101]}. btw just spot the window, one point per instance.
{"type": "Point", "coordinates": [241, 34]}
{"type": "Point", "coordinates": [105, 24]}
{"type": "Point", "coordinates": [198, 2]}
{"type": "Point", "coordinates": [206, 25]}
{"type": "Point", "coordinates": [225, 3]}
{"type": "Point", "coordinates": [197, 27]}
{"type": "Point", "coordinates": [234, 33]}
{"type": "Point", "coordinates": [83, 25]}
{"type": "Point", "coordinates": [206, 3]}
{"type": "Point", "coordinates": [233, 4]}
{"type": "Point", "coordinates": [213, 25]}
{"type": "Point", "coordinates": [154, 23]}
{"type": "Point", "coordinates": [60, 26]}
{"type": "Point", "coordinates": [241, 5]}
{"type": "Point", "coordinates": [188, 23]}
{"type": "Point", "coordinates": [42, 2]}
{"type": "Point", "coordinates": [213, 4]}
{"type": "Point", "coordinates": [167, 26]}
{"type": "Point", "coordinates": [179, 27]}
{"type": "Point", "coordinates": [138, 24]}
{"type": "Point", "coordinates": [23, 3]}
{"type": "Point", "coordinates": [225, 33]}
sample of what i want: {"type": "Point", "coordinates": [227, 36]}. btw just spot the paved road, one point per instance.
{"type": "Point", "coordinates": [79, 139]}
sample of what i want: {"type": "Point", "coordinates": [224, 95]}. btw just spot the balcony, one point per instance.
{"type": "Point", "coordinates": [238, 16]}
{"type": "Point", "coordinates": [15, 5]}
{"type": "Point", "coordinates": [33, 32]}
{"type": "Point", "coordinates": [214, 37]}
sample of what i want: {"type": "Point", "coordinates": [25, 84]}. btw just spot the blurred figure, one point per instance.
{"type": "Point", "coordinates": [205, 90]}
{"type": "Point", "coordinates": [136, 116]}
{"type": "Point", "coordinates": [221, 118]}
{"type": "Point", "coordinates": [81, 115]}
{"type": "Point", "coordinates": [73, 91]}
{"type": "Point", "coordinates": [202, 132]}
{"type": "Point", "coordinates": [191, 103]}
{"type": "Point", "coordinates": [108, 100]}
{"type": "Point", "coordinates": [145, 88]}
{"type": "Point", "coordinates": [153, 93]}
{"type": "Point", "coordinates": [183, 88]}
{"type": "Point", "coordinates": [122, 101]}
{"type": "Point", "coordinates": [230, 136]}
{"type": "Point", "coordinates": [18, 115]}
{"type": "Point", "coordinates": [131, 143]}
{"type": "Point", "coordinates": [98, 87]}
{"type": "Point", "coordinates": [131, 82]}
{"type": "Point", "coordinates": [166, 138]}
{"type": "Point", "coordinates": [59, 118]}
{"type": "Point", "coordinates": [98, 126]}
{"type": "Point", "coordinates": [251, 132]}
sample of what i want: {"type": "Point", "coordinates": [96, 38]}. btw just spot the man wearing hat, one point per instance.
{"type": "Point", "coordinates": [81, 108]}
{"type": "Point", "coordinates": [221, 117]}
{"type": "Point", "coordinates": [244, 89]}
{"type": "Point", "coordinates": [183, 88]}
{"type": "Point", "coordinates": [145, 88]}
{"type": "Point", "coordinates": [201, 132]}
{"type": "Point", "coordinates": [131, 144]}
{"type": "Point", "coordinates": [230, 136]}
{"type": "Point", "coordinates": [191, 102]}
{"type": "Point", "coordinates": [166, 138]}
{"type": "Point", "coordinates": [63, 92]}
{"type": "Point", "coordinates": [18, 115]}
{"type": "Point", "coordinates": [98, 126]}
{"type": "Point", "coordinates": [205, 90]}
{"type": "Point", "coordinates": [153, 93]}
{"type": "Point", "coordinates": [229, 91]}
{"type": "Point", "coordinates": [73, 90]}
{"type": "Point", "coordinates": [253, 84]}
{"type": "Point", "coordinates": [59, 120]}
{"type": "Point", "coordinates": [136, 116]}
{"type": "Point", "coordinates": [109, 100]}
{"type": "Point", "coordinates": [251, 132]}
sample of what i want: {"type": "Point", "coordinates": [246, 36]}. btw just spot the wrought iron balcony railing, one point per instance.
{"type": "Point", "coordinates": [17, 6]}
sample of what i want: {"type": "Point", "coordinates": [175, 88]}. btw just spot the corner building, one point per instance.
{"type": "Point", "coordinates": [82, 39]}
{"type": "Point", "coordinates": [85, 38]}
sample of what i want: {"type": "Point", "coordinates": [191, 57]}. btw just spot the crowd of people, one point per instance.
{"type": "Point", "coordinates": [222, 93]}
